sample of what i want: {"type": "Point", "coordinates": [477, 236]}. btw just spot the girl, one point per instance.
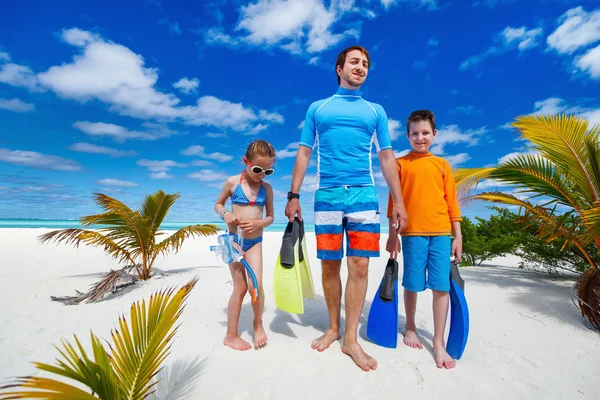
{"type": "Point", "coordinates": [249, 195]}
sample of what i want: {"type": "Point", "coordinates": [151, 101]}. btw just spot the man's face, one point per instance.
{"type": "Point", "coordinates": [356, 69]}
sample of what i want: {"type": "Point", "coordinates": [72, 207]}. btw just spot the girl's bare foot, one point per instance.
{"type": "Point", "coordinates": [412, 340]}
{"type": "Point", "coordinates": [236, 343]}
{"type": "Point", "coordinates": [362, 359]}
{"type": "Point", "coordinates": [323, 342]}
{"type": "Point", "coordinates": [260, 337]}
{"type": "Point", "coordinates": [442, 358]}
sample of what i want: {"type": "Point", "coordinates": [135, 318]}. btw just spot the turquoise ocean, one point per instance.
{"type": "Point", "coordinates": [65, 223]}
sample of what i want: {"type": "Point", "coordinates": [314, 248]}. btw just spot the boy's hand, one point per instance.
{"type": "Point", "coordinates": [252, 225]}
{"type": "Point", "coordinates": [399, 214]}
{"type": "Point", "coordinates": [393, 246]}
{"type": "Point", "coordinates": [457, 249]}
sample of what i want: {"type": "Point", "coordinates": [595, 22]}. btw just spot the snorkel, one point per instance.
{"type": "Point", "coordinates": [226, 251]}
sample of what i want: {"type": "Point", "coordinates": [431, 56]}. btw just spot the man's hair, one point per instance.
{"type": "Point", "coordinates": [421, 115]}
{"type": "Point", "coordinates": [341, 58]}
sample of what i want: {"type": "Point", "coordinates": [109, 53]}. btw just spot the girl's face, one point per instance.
{"type": "Point", "coordinates": [259, 167]}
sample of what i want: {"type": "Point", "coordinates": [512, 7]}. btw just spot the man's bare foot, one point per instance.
{"type": "Point", "coordinates": [412, 340]}
{"type": "Point", "coordinates": [362, 359]}
{"type": "Point", "coordinates": [260, 337]}
{"type": "Point", "coordinates": [442, 358]}
{"type": "Point", "coordinates": [325, 341]}
{"type": "Point", "coordinates": [236, 343]}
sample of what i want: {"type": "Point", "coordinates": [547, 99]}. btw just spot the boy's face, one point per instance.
{"type": "Point", "coordinates": [420, 134]}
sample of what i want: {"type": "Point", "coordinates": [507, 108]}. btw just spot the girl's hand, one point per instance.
{"type": "Point", "coordinates": [393, 246]}
{"type": "Point", "coordinates": [251, 225]}
{"type": "Point", "coordinates": [231, 219]}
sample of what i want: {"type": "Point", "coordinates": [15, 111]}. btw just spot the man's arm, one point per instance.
{"type": "Point", "coordinates": [389, 168]}
{"type": "Point", "coordinates": [300, 167]}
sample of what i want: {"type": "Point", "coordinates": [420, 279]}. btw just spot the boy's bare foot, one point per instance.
{"type": "Point", "coordinates": [362, 359]}
{"type": "Point", "coordinates": [325, 341]}
{"type": "Point", "coordinates": [236, 343]}
{"type": "Point", "coordinates": [260, 337]}
{"type": "Point", "coordinates": [412, 340]}
{"type": "Point", "coordinates": [442, 358]}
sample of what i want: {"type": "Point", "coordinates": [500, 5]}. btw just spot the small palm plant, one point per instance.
{"type": "Point", "coordinates": [564, 171]}
{"type": "Point", "coordinates": [127, 372]}
{"type": "Point", "coordinates": [128, 236]}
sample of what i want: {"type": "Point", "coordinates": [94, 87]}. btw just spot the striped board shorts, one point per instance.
{"type": "Point", "coordinates": [353, 209]}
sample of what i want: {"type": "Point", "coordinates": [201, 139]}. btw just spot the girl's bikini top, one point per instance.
{"type": "Point", "coordinates": [239, 197]}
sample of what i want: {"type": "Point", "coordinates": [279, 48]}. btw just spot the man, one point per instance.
{"type": "Point", "coordinates": [344, 127]}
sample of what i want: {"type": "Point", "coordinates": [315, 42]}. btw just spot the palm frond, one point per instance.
{"type": "Point", "coordinates": [91, 238]}
{"type": "Point", "coordinates": [468, 178]}
{"type": "Point", "coordinates": [591, 218]}
{"type": "Point", "coordinates": [588, 295]}
{"type": "Point", "coordinates": [43, 388]}
{"type": "Point", "coordinates": [138, 352]}
{"type": "Point", "coordinates": [561, 138]}
{"type": "Point", "coordinates": [156, 207]}
{"type": "Point", "coordinates": [175, 241]}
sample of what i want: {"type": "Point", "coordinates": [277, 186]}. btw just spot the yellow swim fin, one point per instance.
{"type": "Point", "coordinates": [308, 288]}
{"type": "Point", "coordinates": [287, 282]}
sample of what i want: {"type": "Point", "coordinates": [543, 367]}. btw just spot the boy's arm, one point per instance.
{"type": "Point", "coordinates": [450, 194]}
{"type": "Point", "coordinates": [457, 243]}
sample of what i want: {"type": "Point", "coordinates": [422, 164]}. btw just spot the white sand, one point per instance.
{"type": "Point", "coordinates": [527, 339]}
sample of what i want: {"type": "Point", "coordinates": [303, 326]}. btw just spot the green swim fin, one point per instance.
{"type": "Point", "coordinates": [287, 281]}
{"type": "Point", "coordinates": [308, 288]}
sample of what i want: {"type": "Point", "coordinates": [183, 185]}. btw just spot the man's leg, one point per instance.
{"type": "Point", "coordinates": [356, 289]}
{"type": "Point", "coordinates": [332, 287]}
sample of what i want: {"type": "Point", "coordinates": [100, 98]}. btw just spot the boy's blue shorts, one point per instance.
{"type": "Point", "coordinates": [426, 263]}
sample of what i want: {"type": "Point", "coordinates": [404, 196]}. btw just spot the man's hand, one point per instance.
{"type": "Point", "coordinates": [399, 214]}
{"type": "Point", "coordinates": [292, 208]}
{"type": "Point", "coordinates": [457, 249]}
{"type": "Point", "coordinates": [393, 245]}
{"type": "Point", "coordinates": [251, 225]}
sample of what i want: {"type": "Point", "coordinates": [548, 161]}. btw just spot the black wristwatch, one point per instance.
{"type": "Point", "coordinates": [292, 195]}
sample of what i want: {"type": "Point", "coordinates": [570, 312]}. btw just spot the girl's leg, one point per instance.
{"type": "Point", "coordinates": [240, 287]}
{"type": "Point", "coordinates": [254, 258]}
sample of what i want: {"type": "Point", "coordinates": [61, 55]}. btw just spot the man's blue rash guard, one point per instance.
{"type": "Point", "coordinates": [344, 128]}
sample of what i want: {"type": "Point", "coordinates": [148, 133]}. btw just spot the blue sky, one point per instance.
{"type": "Point", "coordinates": [129, 97]}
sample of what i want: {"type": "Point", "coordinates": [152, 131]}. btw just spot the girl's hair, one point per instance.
{"type": "Point", "coordinates": [260, 148]}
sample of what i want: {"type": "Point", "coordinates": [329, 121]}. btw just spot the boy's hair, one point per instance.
{"type": "Point", "coordinates": [260, 148]}
{"type": "Point", "coordinates": [421, 115]}
{"type": "Point", "coordinates": [341, 58]}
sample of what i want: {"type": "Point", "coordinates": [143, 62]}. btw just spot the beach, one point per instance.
{"type": "Point", "coordinates": [527, 339]}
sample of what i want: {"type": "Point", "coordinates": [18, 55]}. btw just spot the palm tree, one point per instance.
{"type": "Point", "coordinates": [127, 372]}
{"type": "Point", "coordinates": [563, 172]}
{"type": "Point", "coordinates": [129, 236]}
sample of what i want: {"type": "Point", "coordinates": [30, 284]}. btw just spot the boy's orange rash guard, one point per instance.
{"type": "Point", "coordinates": [429, 194]}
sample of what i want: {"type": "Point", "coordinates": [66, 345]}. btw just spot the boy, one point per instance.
{"type": "Point", "coordinates": [433, 215]}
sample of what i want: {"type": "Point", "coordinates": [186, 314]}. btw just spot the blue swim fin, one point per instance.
{"type": "Point", "coordinates": [382, 324]}
{"type": "Point", "coordinates": [459, 315]}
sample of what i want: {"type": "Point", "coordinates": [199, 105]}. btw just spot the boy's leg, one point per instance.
{"type": "Point", "coordinates": [361, 214]}
{"type": "Point", "coordinates": [253, 257]}
{"type": "Point", "coordinates": [438, 280]}
{"type": "Point", "coordinates": [240, 287]}
{"type": "Point", "coordinates": [328, 228]}
{"type": "Point", "coordinates": [414, 251]}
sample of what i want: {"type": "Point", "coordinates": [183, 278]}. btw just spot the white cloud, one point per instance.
{"type": "Point", "coordinates": [187, 85]}
{"type": "Point", "coordinates": [458, 159]}
{"type": "Point", "coordinates": [510, 156]}
{"type": "Point", "coordinates": [394, 128]}
{"type": "Point", "coordinates": [289, 151]}
{"type": "Point", "coordinates": [402, 153]}
{"type": "Point", "coordinates": [452, 134]}
{"type": "Point", "coordinates": [430, 4]}
{"type": "Point", "coordinates": [200, 151]}
{"type": "Point", "coordinates": [510, 38]}
{"type": "Point", "coordinates": [159, 166]}
{"type": "Point", "coordinates": [577, 29]}
{"type": "Point", "coordinates": [201, 163]}
{"type": "Point", "coordinates": [161, 175]}
{"type": "Point", "coordinates": [208, 175]}
{"type": "Point", "coordinates": [466, 110]}
{"type": "Point", "coordinates": [95, 149]}
{"type": "Point", "coordinates": [78, 37]}
{"type": "Point", "coordinates": [590, 62]}
{"type": "Point", "coordinates": [116, 182]}
{"type": "Point", "coordinates": [120, 133]}
{"type": "Point", "coordinates": [4, 56]}
{"type": "Point", "coordinates": [20, 76]}
{"type": "Point", "coordinates": [214, 135]}
{"type": "Point", "coordinates": [419, 64]}
{"type": "Point", "coordinates": [38, 160]}
{"type": "Point", "coordinates": [313, 61]}
{"type": "Point", "coordinates": [556, 105]}
{"type": "Point", "coordinates": [301, 125]}
{"type": "Point", "coordinates": [433, 42]}
{"type": "Point", "coordinates": [16, 105]}
{"type": "Point", "coordinates": [256, 130]}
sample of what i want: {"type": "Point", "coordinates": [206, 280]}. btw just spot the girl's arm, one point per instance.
{"type": "Point", "coordinates": [219, 207]}
{"type": "Point", "coordinates": [269, 217]}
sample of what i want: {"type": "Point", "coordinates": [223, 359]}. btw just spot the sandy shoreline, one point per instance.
{"type": "Point", "coordinates": [527, 339]}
